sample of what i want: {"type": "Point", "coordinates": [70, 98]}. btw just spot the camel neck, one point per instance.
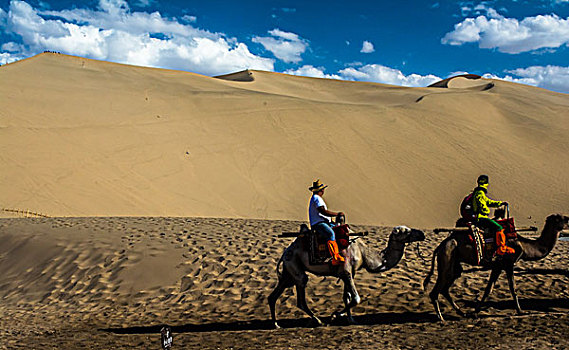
{"type": "Point", "coordinates": [539, 248]}
{"type": "Point", "coordinates": [386, 259]}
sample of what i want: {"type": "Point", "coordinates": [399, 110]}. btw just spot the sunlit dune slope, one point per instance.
{"type": "Point", "coordinates": [80, 137]}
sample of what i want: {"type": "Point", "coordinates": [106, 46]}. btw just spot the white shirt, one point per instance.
{"type": "Point", "coordinates": [313, 214]}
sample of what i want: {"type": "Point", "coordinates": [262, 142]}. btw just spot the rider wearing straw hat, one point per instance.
{"type": "Point", "coordinates": [320, 222]}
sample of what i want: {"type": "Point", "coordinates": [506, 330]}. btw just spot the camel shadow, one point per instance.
{"type": "Point", "coordinates": [256, 325]}
{"type": "Point", "coordinates": [542, 271]}
{"type": "Point", "coordinates": [519, 272]}
{"type": "Point", "coordinates": [527, 304]}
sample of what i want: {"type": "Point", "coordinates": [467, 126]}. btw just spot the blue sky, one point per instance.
{"type": "Point", "coordinates": [409, 43]}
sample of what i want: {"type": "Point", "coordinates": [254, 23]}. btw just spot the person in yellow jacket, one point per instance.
{"type": "Point", "coordinates": [482, 204]}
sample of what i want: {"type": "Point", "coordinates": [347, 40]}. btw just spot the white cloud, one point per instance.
{"type": "Point", "coordinates": [6, 57]}
{"type": "Point", "coordinates": [11, 47]}
{"type": "Point", "coordinates": [554, 78]}
{"type": "Point", "coordinates": [526, 81]}
{"type": "Point", "coordinates": [490, 12]}
{"type": "Point", "coordinates": [144, 3]}
{"type": "Point", "coordinates": [371, 73]}
{"type": "Point", "coordinates": [367, 47]}
{"type": "Point", "coordinates": [285, 46]}
{"type": "Point", "coordinates": [112, 32]}
{"type": "Point", "coordinates": [510, 35]}
{"type": "Point", "coordinates": [454, 74]}
{"type": "Point", "coordinates": [465, 10]}
{"type": "Point", "coordinates": [480, 9]}
{"type": "Point", "coordinates": [386, 75]}
{"type": "Point", "coordinates": [189, 19]}
{"type": "Point", "coordinates": [311, 71]}
{"type": "Point", "coordinates": [548, 77]}
{"type": "Point", "coordinates": [114, 6]}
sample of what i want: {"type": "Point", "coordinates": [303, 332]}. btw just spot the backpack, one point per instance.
{"type": "Point", "coordinates": [467, 208]}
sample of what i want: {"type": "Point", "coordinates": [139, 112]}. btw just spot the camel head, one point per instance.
{"type": "Point", "coordinates": [558, 222]}
{"type": "Point", "coordinates": [405, 234]}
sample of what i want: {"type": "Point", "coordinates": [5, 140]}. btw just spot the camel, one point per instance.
{"type": "Point", "coordinates": [457, 249]}
{"type": "Point", "coordinates": [295, 261]}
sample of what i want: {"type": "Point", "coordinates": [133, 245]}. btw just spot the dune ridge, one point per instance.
{"type": "Point", "coordinates": [80, 137]}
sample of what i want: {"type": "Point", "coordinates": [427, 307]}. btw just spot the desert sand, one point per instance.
{"type": "Point", "coordinates": [80, 137]}
{"type": "Point", "coordinates": [105, 283]}
{"type": "Point", "coordinates": [164, 192]}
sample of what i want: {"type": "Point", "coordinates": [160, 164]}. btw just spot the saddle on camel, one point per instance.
{"type": "Point", "coordinates": [487, 243]}
{"type": "Point", "coordinates": [325, 240]}
{"type": "Point", "coordinates": [317, 246]}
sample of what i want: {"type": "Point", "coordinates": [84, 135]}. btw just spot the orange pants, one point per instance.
{"type": "Point", "coordinates": [501, 247]}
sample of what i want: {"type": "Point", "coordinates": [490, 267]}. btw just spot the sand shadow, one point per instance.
{"type": "Point", "coordinates": [527, 304]}
{"type": "Point", "coordinates": [206, 327]}
{"type": "Point", "coordinates": [542, 271]}
{"type": "Point", "coordinates": [518, 272]}
{"type": "Point", "coordinates": [255, 325]}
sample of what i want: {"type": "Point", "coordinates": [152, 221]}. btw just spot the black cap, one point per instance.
{"type": "Point", "coordinates": [482, 179]}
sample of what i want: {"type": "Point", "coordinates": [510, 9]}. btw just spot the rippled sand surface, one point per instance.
{"type": "Point", "coordinates": [102, 283]}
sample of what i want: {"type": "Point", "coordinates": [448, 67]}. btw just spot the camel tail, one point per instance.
{"type": "Point", "coordinates": [432, 270]}
{"type": "Point", "coordinates": [279, 272]}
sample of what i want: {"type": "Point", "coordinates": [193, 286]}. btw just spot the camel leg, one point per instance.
{"type": "Point", "coordinates": [510, 274]}
{"type": "Point", "coordinates": [285, 282]}
{"type": "Point", "coordinates": [434, 295]}
{"type": "Point", "coordinates": [489, 287]}
{"type": "Point", "coordinates": [448, 297]}
{"type": "Point", "coordinates": [445, 290]}
{"type": "Point", "coordinates": [350, 297]}
{"type": "Point", "coordinates": [301, 301]}
{"type": "Point", "coordinates": [445, 274]}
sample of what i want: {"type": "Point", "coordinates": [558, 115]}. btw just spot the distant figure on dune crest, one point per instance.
{"type": "Point", "coordinates": [320, 221]}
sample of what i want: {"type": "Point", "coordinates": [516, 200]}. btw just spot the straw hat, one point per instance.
{"type": "Point", "coordinates": [317, 186]}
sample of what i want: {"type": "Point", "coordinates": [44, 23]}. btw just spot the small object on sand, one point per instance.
{"type": "Point", "coordinates": [166, 337]}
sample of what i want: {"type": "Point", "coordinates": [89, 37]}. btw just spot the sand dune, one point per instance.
{"type": "Point", "coordinates": [465, 81]}
{"type": "Point", "coordinates": [80, 137]}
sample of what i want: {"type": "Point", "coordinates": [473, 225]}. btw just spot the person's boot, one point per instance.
{"type": "Point", "coordinates": [501, 247]}
{"type": "Point", "coordinates": [337, 259]}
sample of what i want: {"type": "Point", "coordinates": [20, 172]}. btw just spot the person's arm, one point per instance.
{"type": "Point", "coordinates": [493, 203]}
{"type": "Point", "coordinates": [327, 212]}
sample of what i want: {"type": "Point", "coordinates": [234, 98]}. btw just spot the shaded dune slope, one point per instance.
{"type": "Point", "coordinates": [245, 75]}
{"type": "Point", "coordinates": [80, 137]}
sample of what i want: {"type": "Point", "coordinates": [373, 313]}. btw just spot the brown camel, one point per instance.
{"type": "Point", "coordinates": [457, 249]}
{"type": "Point", "coordinates": [295, 260]}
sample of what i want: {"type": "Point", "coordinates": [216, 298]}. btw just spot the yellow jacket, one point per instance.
{"type": "Point", "coordinates": [482, 203]}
